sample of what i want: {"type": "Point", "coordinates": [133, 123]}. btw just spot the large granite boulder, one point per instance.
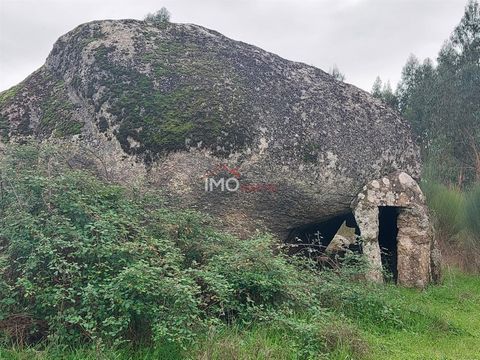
{"type": "Point", "coordinates": [191, 111]}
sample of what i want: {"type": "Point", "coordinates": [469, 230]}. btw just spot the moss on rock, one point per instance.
{"type": "Point", "coordinates": [4, 128]}
{"type": "Point", "coordinates": [184, 109]}
{"type": "Point", "coordinates": [57, 111]}
{"type": "Point", "coordinates": [8, 95]}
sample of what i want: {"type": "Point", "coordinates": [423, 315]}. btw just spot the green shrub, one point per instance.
{"type": "Point", "coordinates": [447, 206]}
{"type": "Point", "coordinates": [472, 212]}
{"type": "Point", "coordinates": [82, 260]}
{"type": "Point", "coordinates": [77, 259]}
{"type": "Point", "coordinates": [161, 16]}
{"type": "Point", "coordinates": [87, 262]}
{"type": "Point", "coordinates": [248, 278]}
{"type": "Point", "coordinates": [455, 213]}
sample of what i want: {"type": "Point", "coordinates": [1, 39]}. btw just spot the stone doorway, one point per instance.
{"type": "Point", "coordinates": [395, 231]}
{"type": "Point", "coordinates": [389, 224]}
{"type": "Point", "coordinates": [387, 239]}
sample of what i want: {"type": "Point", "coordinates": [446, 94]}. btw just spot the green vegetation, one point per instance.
{"type": "Point", "coordinates": [4, 128]}
{"type": "Point", "coordinates": [457, 222]}
{"type": "Point", "coordinates": [57, 113]}
{"type": "Point", "coordinates": [447, 327]}
{"type": "Point", "coordinates": [88, 262]}
{"type": "Point", "coordinates": [95, 35]}
{"type": "Point", "coordinates": [92, 270]}
{"type": "Point", "coordinates": [336, 73]}
{"type": "Point", "coordinates": [384, 92]}
{"type": "Point", "coordinates": [160, 17]}
{"type": "Point", "coordinates": [8, 94]}
{"type": "Point", "coordinates": [55, 109]}
{"type": "Point", "coordinates": [164, 120]}
{"type": "Point", "coordinates": [442, 103]}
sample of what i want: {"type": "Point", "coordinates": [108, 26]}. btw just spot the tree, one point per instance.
{"type": "Point", "coordinates": [377, 88]}
{"type": "Point", "coordinates": [337, 74]}
{"type": "Point", "coordinates": [162, 16]}
{"type": "Point", "coordinates": [415, 95]}
{"type": "Point", "coordinates": [383, 91]}
{"type": "Point", "coordinates": [464, 43]}
{"type": "Point", "coordinates": [443, 102]}
{"type": "Point", "coordinates": [459, 93]}
{"type": "Point", "coordinates": [388, 96]}
{"type": "Point", "coordinates": [407, 81]}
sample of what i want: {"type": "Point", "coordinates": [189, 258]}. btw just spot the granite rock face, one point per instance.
{"type": "Point", "coordinates": [189, 110]}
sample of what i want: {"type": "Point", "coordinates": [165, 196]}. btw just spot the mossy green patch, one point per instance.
{"type": "Point", "coordinates": [181, 106]}
{"type": "Point", "coordinates": [160, 121]}
{"type": "Point", "coordinates": [8, 94]}
{"type": "Point", "coordinates": [96, 35]}
{"type": "Point", "coordinates": [4, 128]}
{"type": "Point", "coordinates": [57, 111]}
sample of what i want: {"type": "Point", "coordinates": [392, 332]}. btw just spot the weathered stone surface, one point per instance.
{"type": "Point", "coordinates": [414, 241]}
{"type": "Point", "coordinates": [344, 238]}
{"type": "Point", "coordinates": [176, 105]}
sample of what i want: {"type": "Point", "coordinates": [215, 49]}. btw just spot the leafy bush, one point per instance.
{"type": "Point", "coordinates": [87, 262]}
{"type": "Point", "coordinates": [162, 16]}
{"type": "Point", "coordinates": [82, 260]}
{"type": "Point", "coordinates": [77, 257]}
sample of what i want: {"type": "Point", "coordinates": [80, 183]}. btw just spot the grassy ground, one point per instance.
{"type": "Point", "coordinates": [453, 331]}
{"type": "Point", "coordinates": [442, 322]}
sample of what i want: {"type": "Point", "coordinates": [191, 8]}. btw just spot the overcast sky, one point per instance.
{"type": "Point", "coordinates": [364, 38]}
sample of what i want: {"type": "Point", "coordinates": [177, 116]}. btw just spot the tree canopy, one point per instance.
{"type": "Point", "coordinates": [159, 17]}
{"type": "Point", "coordinates": [442, 102]}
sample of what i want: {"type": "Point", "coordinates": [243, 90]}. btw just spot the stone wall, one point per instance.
{"type": "Point", "coordinates": [417, 257]}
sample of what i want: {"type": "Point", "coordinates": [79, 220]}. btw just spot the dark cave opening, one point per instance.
{"type": "Point", "coordinates": [387, 238]}
{"type": "Point", "coordinates": [313, 239]}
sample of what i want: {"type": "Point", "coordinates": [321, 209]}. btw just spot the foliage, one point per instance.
{"type": "Point", "coordinates": [162, 16]}
{"type": "Point", "coordinates": [442, 327]}
{"type": "Point", "coordinates": [77, 259]}
{"type": "Point", "coordinates": [472, 211]}
{"type": "Point", "coordinates": [85, 263]}
{"type": "Point", "coordinates": [455, 213]}
{"type": "Point", "coordinates": [383, 91]}
{"type": "Point", "coordinates": [83, 260]}
{"type": "Point", "coordinates": [442, 102]}
{"type": "Point", "coordinates": [8, 94]}
{"type": "Point", "coordinates": [337, 74]}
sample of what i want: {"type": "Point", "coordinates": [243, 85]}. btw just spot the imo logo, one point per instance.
{"type": "Point", "coordinates": [224, 178]}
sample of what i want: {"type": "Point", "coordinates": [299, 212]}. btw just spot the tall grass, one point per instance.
{"type": "Point", "coordinates": [472, 211]}
{"type": "Point", "coordinates": [437, 323]}
{"type": "Point", "coordinates": [456, 215]}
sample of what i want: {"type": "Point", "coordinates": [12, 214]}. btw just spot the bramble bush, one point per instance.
{"type": "Point", "coordinates": [79, 263]}
{"type": "Point", "coordinates": [83, 261]}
